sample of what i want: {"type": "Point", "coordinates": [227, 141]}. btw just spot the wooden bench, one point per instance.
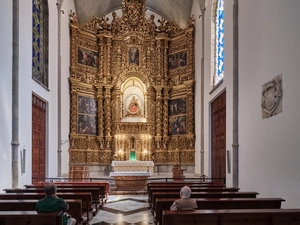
{"type": "Point", "coordinates": [30, 218]}
{"type": "Point", "coordinates": [75, 206]}
{"type": "Point", "coordinates": [244, 194]}
{"type": "Point", "coordinates": [85, 197]}
{"type": "Point", "coordinates": [94, 191]}
{"type": "Point", "coordinates": [194, 189]}
{"type": "Point", "coordinates": [233, 217]}
{"type": "Point", "coordinates": [184, 183]}
{"type": "Point", "coordinates": [103, 187]}
{"type": "Point", "coordinates": [220, 203]}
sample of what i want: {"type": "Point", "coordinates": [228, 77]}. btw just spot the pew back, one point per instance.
{"type": "Point", "coordinates": [220, 203]}
{"type": "Point", "coordinates": [103, 186]}
{"type": "Point", "coordinates": [233, 217]}
{"type": "Point", "coordinates": [156, 195]}
{"type": "Point", "coordinates": [30, 217]}
{"type": "Point", "coordinates": [194, 189]}
{"type": "Point", "coordinates": [75, 206]}
{"type": "Point", "coordinates": [94, 191]}
{"type": "Point", "coordinates": [184, 183]}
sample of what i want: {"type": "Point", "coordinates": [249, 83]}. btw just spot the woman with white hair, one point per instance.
{"type": "Point", "coordinates": [185, 202]}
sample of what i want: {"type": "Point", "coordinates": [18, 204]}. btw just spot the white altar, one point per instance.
{"type": "Point", "coordinates": [133, 166]}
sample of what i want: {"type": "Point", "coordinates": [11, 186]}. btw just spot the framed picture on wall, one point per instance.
{"type": "Point", "coordinates": [87, 105]}
{"type": "Point", "coordinates": [87, 115]}
{"type": "Point", "coordinates": [177, 107]}
{"type": "Point", "coordinates": [133, 56]}
{"type": "Point", "coordinates": [177, 116]}
{"type": "Point", "coordinates": [87, 124]}
{"type": "Point", "coordinates": [177, 60]}
{"type": "Point", "coordinates": [88, 57]}
{"type": "Point", "coordinates": [177, 125]}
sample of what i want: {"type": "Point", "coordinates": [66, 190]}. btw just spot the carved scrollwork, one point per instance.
{"type": "Point", "coordinates": [164, 72]}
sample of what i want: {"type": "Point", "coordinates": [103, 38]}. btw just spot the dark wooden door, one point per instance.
{"type": "Point", "coordinates": [38, 139]}
{"type": "Point", "coordinates": [218, 137]}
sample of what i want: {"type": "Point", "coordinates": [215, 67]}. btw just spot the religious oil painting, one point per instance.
{"type": "Point", "coordinates": [87, 119]}
{"type": "Point", "coordinates": [177, 125]}
{"type": "Point", "coordinates": [87, 105]}
{"type": "Point", "coordinates": [88, 57]}
{"type": "Point", "coordinates": [177, 60]}
{"type": "Point", "coordinates": [177, 106]}
{"type": "Point", "coordinates": [133, 56]}
{"type": "Point", "coordinates": [87, 124]}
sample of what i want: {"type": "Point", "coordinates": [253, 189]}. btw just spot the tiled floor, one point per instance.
{"type": "Point", "coordinates": [124, 210]}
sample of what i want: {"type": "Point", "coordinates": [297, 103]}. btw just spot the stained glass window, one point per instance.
{"type": "Point", "coordinates": [219, 42]}
{"type": "Point", "coordinates": [40, 41]}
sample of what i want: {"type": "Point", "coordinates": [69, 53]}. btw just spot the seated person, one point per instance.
{"type": "Point", "coordinates": [52, 203]}
{"type": "Point", "coordinates": [185, 202]}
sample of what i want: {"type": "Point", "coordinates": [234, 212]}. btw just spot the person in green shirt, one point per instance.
{"type": "Point", "coordinates": [52, 203]}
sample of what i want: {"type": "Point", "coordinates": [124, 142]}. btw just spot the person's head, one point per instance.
{"type": "Point", "coordinates": [50, 189]}
{"type": "Point", "coordinates": [185, 192]}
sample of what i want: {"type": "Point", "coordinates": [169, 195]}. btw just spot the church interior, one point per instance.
{"type": "Point", "coordinates": [150, 88]}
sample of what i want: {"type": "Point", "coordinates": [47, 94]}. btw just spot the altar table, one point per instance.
{"type": "Point", "coordinates": [131, 180]}
{"type": "Point", "coordinates": [133, 166]}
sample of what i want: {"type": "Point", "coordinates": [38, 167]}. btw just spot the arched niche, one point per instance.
{"type": "Point", "coordinates": [133, 100]}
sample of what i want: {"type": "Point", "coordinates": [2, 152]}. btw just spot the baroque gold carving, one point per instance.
{"type": "Point", "coordinates": [112, 41]}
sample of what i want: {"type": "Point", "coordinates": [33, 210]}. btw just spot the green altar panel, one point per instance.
{"type": "Point", "coordinates": [132, 156]}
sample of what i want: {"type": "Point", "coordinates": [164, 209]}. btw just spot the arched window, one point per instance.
{"type": "Point", "coordinates": [40, 27]}
{"type": "Point", "coordinates": [218, 42]}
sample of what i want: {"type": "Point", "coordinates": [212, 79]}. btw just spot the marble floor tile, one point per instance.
{"type": "Point", "coordinates": [124, 210]}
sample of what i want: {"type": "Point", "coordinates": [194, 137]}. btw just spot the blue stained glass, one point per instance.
{"type": "Point", "coordinates": [219, 73]}
{"type": "Point", "coordinates": [40, 17]}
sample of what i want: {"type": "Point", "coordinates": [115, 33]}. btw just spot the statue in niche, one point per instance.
{"type": "Point", "coordinates": [133, 107]}
{"type": "Point", "coordinates": [132, 142]}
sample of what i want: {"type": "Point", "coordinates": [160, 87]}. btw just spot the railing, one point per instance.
{"type": "Point", "coordinates": [155, 179]}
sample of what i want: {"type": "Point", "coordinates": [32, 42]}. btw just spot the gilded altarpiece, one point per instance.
{"type": "Point", "coordinates": [128, 79]}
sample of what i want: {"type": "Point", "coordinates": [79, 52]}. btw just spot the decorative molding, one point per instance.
{"type": "Point", "coordinates": [271, 101]}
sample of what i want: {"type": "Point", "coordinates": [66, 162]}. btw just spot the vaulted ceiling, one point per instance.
{"type": "Point", "coordinates": [172, 10]}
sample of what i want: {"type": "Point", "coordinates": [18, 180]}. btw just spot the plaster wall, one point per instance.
{"type": "Point", "coordinates": [269, 148]}
{"type": "Point", "coordinates": [211, 93]}
{"type": "Point", "coordinates": [5, 94]}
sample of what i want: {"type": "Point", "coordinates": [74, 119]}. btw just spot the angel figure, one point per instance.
{"type": "Point", "coordinates": [191, 21]}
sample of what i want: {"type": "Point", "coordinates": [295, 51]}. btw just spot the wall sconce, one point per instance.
{"type": "Point", "coordinates": [23, 159]}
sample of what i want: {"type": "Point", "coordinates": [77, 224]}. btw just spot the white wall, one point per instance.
{"type": "Point", "coordinates": [5, 94]}
{"type": "Point", "coordinates": [269, 34]}
{"type": "Point", "coordinates": [27, 86]}
{"type": "Point", "coordinates": [65, 89]}
{"type": "Point", "coordinates": [197, 64]}
{"type": "Point", "coordinates": [210, 95]}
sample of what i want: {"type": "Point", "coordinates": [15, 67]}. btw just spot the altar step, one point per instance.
{"type": "Point", "coordinates": [114, 191]}
{"type": "Point", "coordinates": [127, 192]}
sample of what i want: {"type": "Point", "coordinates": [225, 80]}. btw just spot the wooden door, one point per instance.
{"type": "Point", "coordinates": [218, 137]}
{"type": "Point", "coordinates": [38, 139]}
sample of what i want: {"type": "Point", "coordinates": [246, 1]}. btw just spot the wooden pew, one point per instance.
{"type": "Point", "coordinates": [75, 206]}
{"type": "Point", "coordinates": [85, 197]}
{"type": "Point", "coordinates": [243, 194]}
{"type": "Point", "coordinates": [30, 218]}
{"type": "Point", "coordinates": [94, 191]}
{"type": "Point", "coordinates": [103, 186]}
{"type": "Point", "coordinates": [220, 203]}
{"type": "Point", "coordinates": [184, 183]}
{"type": "Point", "coordinates": [194, 189]}
{"type": "Point", "coordinates": [233, 217]}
